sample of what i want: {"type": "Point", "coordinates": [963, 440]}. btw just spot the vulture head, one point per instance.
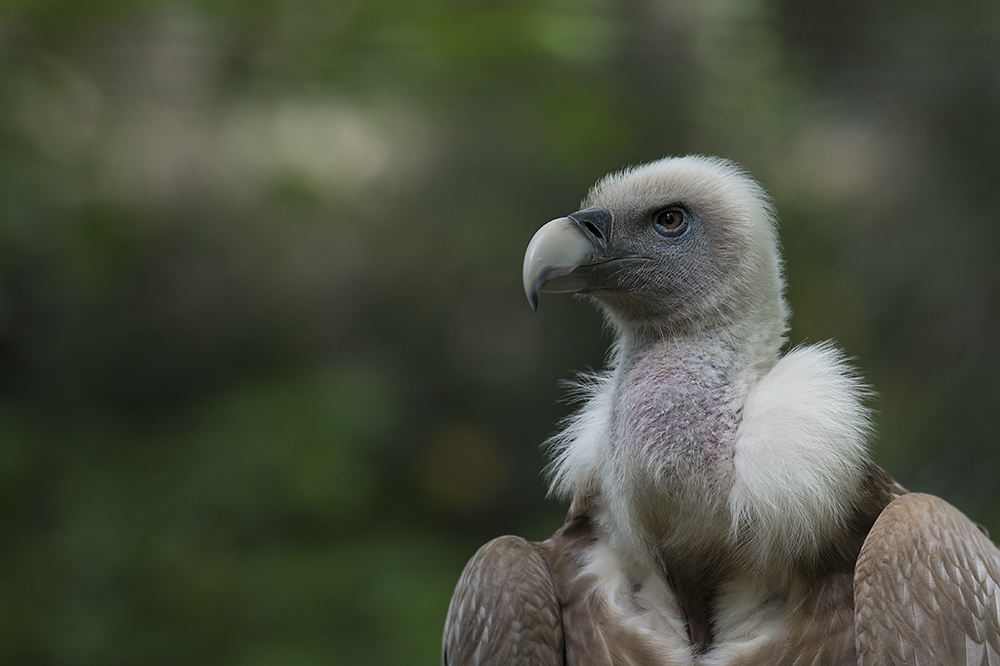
{"type": "Point", "coordinates": [679, 246]}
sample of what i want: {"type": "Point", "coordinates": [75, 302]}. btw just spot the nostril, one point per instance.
{"type": "Point", "coordinates": [595, 222]}
{"type": "Point", "coordinates": [592, 228]}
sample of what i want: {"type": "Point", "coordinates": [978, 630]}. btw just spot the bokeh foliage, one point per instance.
{"type": "Point", "coordinates": [267, 377]}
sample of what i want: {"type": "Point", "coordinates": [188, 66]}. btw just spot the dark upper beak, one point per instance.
{"type": "Point", "coordinates": [559, 254]}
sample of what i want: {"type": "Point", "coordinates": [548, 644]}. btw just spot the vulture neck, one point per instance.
{"type": "Point", "coordinates": [676, 406]}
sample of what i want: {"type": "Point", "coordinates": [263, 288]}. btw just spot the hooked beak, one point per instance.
{"type": "Point", "coordinates": [560, 254]}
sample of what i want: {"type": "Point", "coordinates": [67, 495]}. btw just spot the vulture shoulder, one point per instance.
{"type": "Point", "coordinates": [504, 609]}
{"type": "Point", "coordinates": [926, 587]}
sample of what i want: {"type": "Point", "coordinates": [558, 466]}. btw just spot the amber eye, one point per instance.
{"type": "Point", "coordinates": [670, 222]}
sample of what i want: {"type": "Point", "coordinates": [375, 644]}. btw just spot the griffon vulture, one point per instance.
{"type": "Point", "coordinates": [724, 506]}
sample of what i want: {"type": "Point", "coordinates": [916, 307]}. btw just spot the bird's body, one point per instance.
{"type": "Point", "coordinates": [724, 507]}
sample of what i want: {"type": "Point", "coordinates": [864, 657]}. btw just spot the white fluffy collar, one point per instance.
{"type": "Point", "coordinates": [797, 463]}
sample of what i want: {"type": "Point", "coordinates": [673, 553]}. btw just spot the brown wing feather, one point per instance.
{"type": "Point", "coordinates": [504, 610]}
{"type": "Point", "coordinates": [926, 588]}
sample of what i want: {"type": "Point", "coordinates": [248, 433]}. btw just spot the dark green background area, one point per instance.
{"type": "Point", "coordinates": [267, 374]}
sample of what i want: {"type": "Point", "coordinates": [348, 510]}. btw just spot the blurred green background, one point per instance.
{"type": "Point", "coordinates": [267, 375]}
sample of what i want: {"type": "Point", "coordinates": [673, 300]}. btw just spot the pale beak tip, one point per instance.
{"type": "Point", "coordinates": [556, 250]}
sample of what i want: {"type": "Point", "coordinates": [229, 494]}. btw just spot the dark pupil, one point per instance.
{"type": "Point", "coordinates": [670, 220]}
